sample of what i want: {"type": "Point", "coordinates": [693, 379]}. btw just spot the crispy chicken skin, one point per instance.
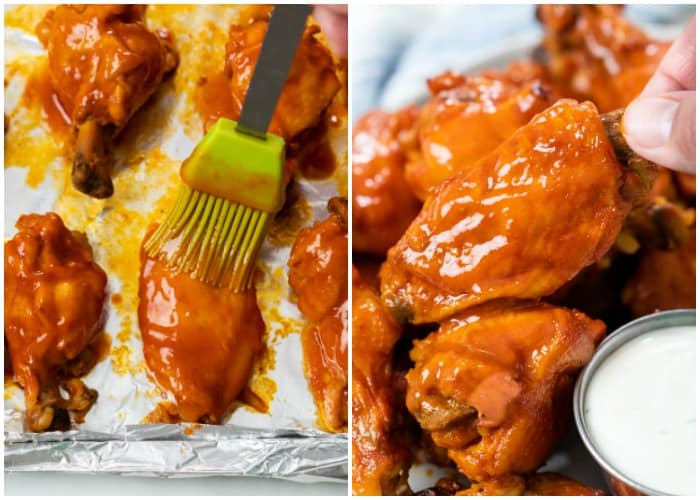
{"type": "Point", "coordinates": [104, 64]}
{"type": "Point", "coordinates": [593, 52]}
{"type": "Point", "coordinates": [467, 118]}
{"type": "Point", "coordinates": [380, 459]}
{"type": "Point", "coordinates": [664, 280]}
{"type": "Point", "coordinates": [519, 223]}
{"type": "Point", "coordinates": [544, 484]}
{"type": "Point", "coordinates": [54, 298]}
{"type": "Point", "coordinates": [310, 87]}
{"type": "Point", "coordinates": [318, 274]}
{"type": "Point", "coordinates": [493, 385]}
{"type": "Point", "coordinates": [382, 202]}
{"type": "Point", "coordinates": [199, 342]}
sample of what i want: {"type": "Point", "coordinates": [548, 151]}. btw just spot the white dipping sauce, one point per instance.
{"type": "Point", "coordinates": [640, 409]}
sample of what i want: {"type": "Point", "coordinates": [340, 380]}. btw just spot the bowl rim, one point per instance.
{"type": "Point", "coordinates": [633, 329]}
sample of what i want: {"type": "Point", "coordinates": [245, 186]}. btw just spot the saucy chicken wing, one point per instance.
{"type": "Point", "coordinates": [382, 202]}
{"type": "Point", "coordinates": [310, 87]}
{"type": "Point", "coordinates": [519, 223]}
{"type": "Point", "coordinates": [544, 484]}
{"type": "Point", "coordinates": [593, 52]}
{"type": "Point", "coordinates": [104, 64]}
{"type": "Point", "coordinates": [199, 342]}
{"type": "Point", "coordinates": [467, 118]}
{"type": "Point", "coordinates": [54, 299]}
{"type": "Point", "coordinates": [493, 385]}
{"type": "Point", "coordinates": [318, 274]}
{"type": "Point", "coordinates": [664, 280]}
{"type": "Point", "coordinates": [380, 459]}
{"type": "Point", "coordinates": [662, 220]}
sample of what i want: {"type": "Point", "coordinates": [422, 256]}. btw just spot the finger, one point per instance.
{"type": "Point", "coordinates": [333, 20]}
{"type": "Point", "coordinates": [677, 68]}
{"type": "Point", "coordinates": [662, 129]}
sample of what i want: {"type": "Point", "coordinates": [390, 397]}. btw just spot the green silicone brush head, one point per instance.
{"type": "Point", "coordinates": [233, 186]}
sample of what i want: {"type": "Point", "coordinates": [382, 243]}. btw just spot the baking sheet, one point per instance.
{"type": "Point", "coordinates": [285, 442]}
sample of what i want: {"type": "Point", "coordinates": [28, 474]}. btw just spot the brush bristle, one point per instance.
{"type": "Point", "coordinates": [212, 239]}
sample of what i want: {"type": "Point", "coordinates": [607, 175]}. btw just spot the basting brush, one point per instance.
{"type": "Point", "coordinates": [233, 182]}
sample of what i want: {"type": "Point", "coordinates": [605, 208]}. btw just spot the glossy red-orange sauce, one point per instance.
{"type": "Point", "coordinates": [213, 98]}
{"type": "Point", "coordinates": [309, 153]}
{"type": "Point", "coordinates": [103, 61]}
{"type": "Point", "coordinates": [54, 298]}
{"type": "Point", "coordinates": [318, 274]}
{"type": "Point", "coordinates": [199, 342]}
{"type": "Point", "coordinates": [39, 89]}
{"type": "Point", "coordinates": [325, 347]}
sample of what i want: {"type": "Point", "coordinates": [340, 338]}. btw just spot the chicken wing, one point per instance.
{"type": "Point", "coordinates": [544, 484]}
{"type": "Point", "coordinates": [465, 119]}
{"type": "Point", "coordinates": [310, 87]}
{"type": "Point", "coordinates": [380, 459]}
{"type": "Point", "coordinates": [664, 280]}
{"type": "Point", "coordinates": [318, 273]}
{"type": "Point", "coordinates": [493, 385]}
{"type": "Point", "coordinates": [104, 64]}
{"type": "Point", "coordinates": [519, 223]}
{"type": "Point", "coordinates": [54, 299]}
{"type": "Point", "coordinates": [593, 52]}
{"type": "Point", "coordinates": [382, 202]}
{"type": "Point", "coordinates": [199, 342]}
{"type": "Point", "coordinates": [662, 220]}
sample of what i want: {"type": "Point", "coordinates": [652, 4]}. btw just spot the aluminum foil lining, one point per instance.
{"type": "Point", "coordinates": [172, 451]}
{"type": "Point", "coordinates": [284, 443]}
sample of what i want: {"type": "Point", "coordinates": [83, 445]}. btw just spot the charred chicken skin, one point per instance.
{"type": "Point", "coordinates": [493, 385]}
{"type": "Point", "coordinates": [544, 484]}
{"type": "Point", "coordinates": [104, 64]}
{"type": "Point", "coordinates": [382, 201]}
{"type": "Point", "coordinates": [318, 274]}
{"type": "Point", "coordinates": [467, 118]}
{"type": "Point", "coordinates": [310, 87]}
{"type": "Point", "coordinates": [380, 459]}
{"type": "Point", "coordinates": [54, 299]}
{"type": "Point", "coordinates": [593, 52]}
{"type": "Point", "coordinates": [199, 342]}
{"type": "Point", "coordinates": [500, 229]}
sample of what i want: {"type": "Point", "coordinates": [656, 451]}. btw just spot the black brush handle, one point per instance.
{"type": "Point", "coordinates": [279, 47]}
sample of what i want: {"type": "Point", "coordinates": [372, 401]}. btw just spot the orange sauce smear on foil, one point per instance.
{"type": "Point", "coordinates": [146, 177]}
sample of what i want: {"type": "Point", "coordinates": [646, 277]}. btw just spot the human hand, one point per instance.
{"type": "Point", "coordinates": [660, 124]}
{"type": "Point", "coordinates": [333, 20]}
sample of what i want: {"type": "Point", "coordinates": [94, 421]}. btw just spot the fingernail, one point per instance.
{"type": "Point", "coordinates": [648, 121]}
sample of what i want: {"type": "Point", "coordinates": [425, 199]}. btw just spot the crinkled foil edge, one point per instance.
{"type": "Point", "coordinates": [182, 450]}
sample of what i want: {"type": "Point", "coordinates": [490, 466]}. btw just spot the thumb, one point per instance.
{"type": "Point", "coordinates": [662, 129]}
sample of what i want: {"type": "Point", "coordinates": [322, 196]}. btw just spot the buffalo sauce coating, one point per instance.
{"type": "Point", "coordinates": [383, 204]}
{"type": "Point", "coordinates": [199, 341]}
{"type": "Point", "coordinates": [595, 53]}
{"type": "Point", "coordinates": [325, 347]}
{"type": "Point", "coordinates": [54, 298]}
{"type": "Point", "coordinates": [542, 484]}
{"type": "Point", "coordinates": [318, 274]}
{"type": "Point", "coordinates": [664, 280]}
{"type": "Point", "coordinates": [519, 223]}
{"type": "Point", "coordinates": [103, 61]}
{"type": "Point", "coordinates": [493, 385]}
{"type": "Point", "coordinates": [300, 117]}
{"type": "Point", "coordinates": [466, 118]}
{"type": "Point", "coordinates": [39, 86]}
{"type": "Point", "coordinates": [380, 458]}
{"type": "Point", "coordinates": [310, 86]}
